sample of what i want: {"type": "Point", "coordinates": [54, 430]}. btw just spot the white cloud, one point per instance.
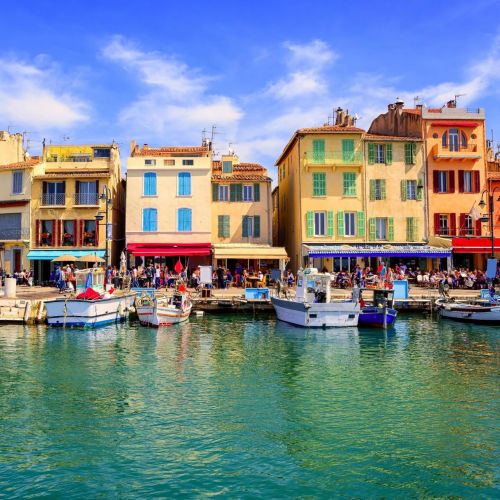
{"type": "Point", "coordinates": [33, 97]}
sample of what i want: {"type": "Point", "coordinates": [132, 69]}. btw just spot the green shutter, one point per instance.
{"type": "Point", "coordinates": [232, 192]}
{"type": "Point", "coordinates": [220, 226]}
{"type": "Point", "coordinates": [420, 191]}
{"type": "Point", "coordinates": [329, 223]}
{"type": "Point", "coordinates": [239, 192]}
{"type": "Point", "coordinates": [408, 156]}
{"type": "Point", "coordinates": [408, 228]}
{"type": "Point", "coordinates": [361, 224]}
{"type": "Point", "coordinates": [390, 228]}
{"type": "Point", "coordinates": [256, 226]}
{"type": "Point", "coordinates": [256, 192]}
{"type": "Point", "coordinates": [371, 153]}
{"type": "Point", "coordinates": [319, 151]}
{"type": "Point", "coordinates": [372, 228]}
{"type": "Point", "coordinates": [382, 189]}
{"type": "Point", "coordinates": [372, 189]}
{"type": "Point", "coordinates": [413, 153]}
{"type": "Point", "coordinates": [349, 183]}
{"type": "Point", "coordinates": [215, 192]}
{"type": "Point", "coordinates": [415, 229]}
{"type": "Point", "coordinates": [244, 225]}
{"type": "Point", "coordinates": [340, 224]}
{"type": "Point", "coordinates": [388, 154]}
{"type": "Point", "coordinates": [348, 150]}
{"type": "Point", "coordinates": [310, 224]}
{"type": "Point", "coordinates": [403, 190]}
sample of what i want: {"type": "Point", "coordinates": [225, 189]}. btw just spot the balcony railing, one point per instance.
{"type": "Point", "coordinates": [455, 152]}
{"type": "Point", "coordinates": [333, 158]}
{"type": "Point", "coordinates": [51, 199]}
{"type": "Point", "coordinates": [14, 234]}
{"type": "Point", "coordinates": [86, 198]}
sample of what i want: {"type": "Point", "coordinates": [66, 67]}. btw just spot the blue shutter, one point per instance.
{"type": "Point", "coordinates": [188, 219]}
{"type": "Point", "coordinates": [149, 184]}
{"type": "Point", "coordinates": [150, 219]}
{"type": "Point", "coordinates": [184, 184]}
{"type": "Point", "coordinates": [184, 219]}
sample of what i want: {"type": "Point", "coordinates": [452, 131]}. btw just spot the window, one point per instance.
{"type": "Point", "coordinates": [442, 181]}
{"type": "Point", "coordinates": [379, 153]}
{"type": "Point", "coordinates": [410, 153]}
{"type": "Point", "coordinates": [150, 184]}
{"type": "Point", "coordinates": [89, 233]}
{"type": "Point", "coordinates": [444, 226]}
{"type": "Point", "coordinates": [102, 152]}
{"type": "Point", "coordinates": [248, 193]}
{"type": "Point", "coordinates": [10, 227]}
{"type": "Point", "coordinates": [223, 193]}
{"type": "Point", "coordinates": [250, 226]}
{"type": "Point", "coordinates": [223, 226]}
{"type": "Point", "coordinates": [184, 220]}
{"type": "Point", "coordinates": [68, 234]}
{"type": "Point", "coordinates": [464, 140]}
{"type": "Point", "coordinates": [453, 139]}
{"type": "Point", "coordinates": [350, 223]}
{"type": "Point", "coordinates": [86, 193]}
{"type": "Point", "coordinates": [54, 193]}
{"type": "Point", "coordinates": [411, 229]}
{"type": "Point", "coordinates": [227, 167]}
{"type": "Point", "coordinates": [17, 182]}
{"type": "Point", "coordinates": [411, 190]}
{"type": "Point", "coordinates": [467, 182]}
{"type": "Point", "coordinates": [150, 220]}
{"type": "Point", "coordinates": [169, 163]}
{"type": "Point", "coordinates": [187, 162]}
{"type": "Point", "coordinates": [149, 162]}
{"type": "Point", "coordinates": [47, 232]}
{"type": "Point", "coordinates": [377, 189]}
{"type": "Point", "coordinates": [349, 183]}
{"type": "Point", "coordinates": [469, 225]}
{"type": "Point", "coordinates": [319, 224]}
{"type": "Point", "coordinates": [380, 228]}
{"type": "Point", "coordinates": [347, 150]}
{"type": "Point", "coordinates": [319, 184]}
{"type": "Point", "coordinates": [318, 155]}
{"type": "Point", "coordinates": [184, 184]}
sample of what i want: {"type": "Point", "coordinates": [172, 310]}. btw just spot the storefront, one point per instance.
{"type": "Point", "coordinates": [472, 253]}
{"type": "Point", "coordinates": [252, 257]}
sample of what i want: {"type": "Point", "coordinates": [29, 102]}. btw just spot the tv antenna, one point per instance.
{"type": "Point", "coordinates": [457, 96]}
{"type": "Point", "coordinates": [66, 138]}
{"type": "Point", "coordinates": [415, 100]}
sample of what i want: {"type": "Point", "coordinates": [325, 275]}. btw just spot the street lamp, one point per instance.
{"type": "Point", "coordinates": [106, 196]}
{"type": "Point", "coordinates": [481, 205]}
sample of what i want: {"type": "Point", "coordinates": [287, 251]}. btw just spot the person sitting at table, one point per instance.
{"type": "Point", "coordinates": [229, 277]}
{"type": "Point", "coordinates": [244, 278]}
{"type": "Point", "coordinates": [290, 278]}
{"type": "Point", "coordinates": [260, 277]}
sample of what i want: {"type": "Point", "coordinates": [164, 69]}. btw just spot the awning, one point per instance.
{"type": "Point", "coordinates": [455, 123]}
{"type": "Point", "coordinates": [169, 249]}
{"type": "Point", "coordinates": [474, 245]}
{"type": "Point", "coordinates": [376, 251]}
{"type": "Point", "coordinates": [52, 254]}
{"type": "Point", "coordinates": [248, 251]}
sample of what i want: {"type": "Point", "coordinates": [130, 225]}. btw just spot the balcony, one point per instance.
{"type": "Point", "coordinates": [85, 199]}
{"type": "Point", "coordinates": [53, 200]}
{"type": "Point", "coordinates": [333, 159]}
{"type": "Point", "coordinates": [468, 152]}
{"type": "Point", "coordinates": [15, 234]}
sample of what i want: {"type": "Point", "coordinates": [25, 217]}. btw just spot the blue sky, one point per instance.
{"type": "Point", "coordinates": [161, 72]}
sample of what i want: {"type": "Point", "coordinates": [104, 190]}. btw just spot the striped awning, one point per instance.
{"type": "Point", "coordinates": [53, 254]}
{"type": "Point", "coordinates": [376, 251]}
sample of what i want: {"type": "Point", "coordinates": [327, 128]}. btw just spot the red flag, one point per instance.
{"type": "Point", "coordinates": [178, 267]}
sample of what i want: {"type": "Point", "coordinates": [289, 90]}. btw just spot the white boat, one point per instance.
{"type": "Point", "coordinates": [312, 305]}
{"type": "Point", "coordinates": [467, 312]}
{"type": "Point", "coordinates": [97, 309]}
{"type": "Point", "coordinates": [162, 310]}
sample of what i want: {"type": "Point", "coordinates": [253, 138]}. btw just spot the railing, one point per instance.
{"type": "Point", "coordinates": [86, 198]}
{"type": "Point", "coordinates": [333, 158]}
{"type": "Point", "coordinates": [51, 199]}
{"type": "Point", "coordinates": [75, 159]}
{"type": "Point", "coordinates": [15, 233]}
{"type": "Point", "coordinates": [470, 148]}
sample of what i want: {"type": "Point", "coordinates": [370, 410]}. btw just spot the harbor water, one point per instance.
{"type": "Point", "coordinates": [237, 406]}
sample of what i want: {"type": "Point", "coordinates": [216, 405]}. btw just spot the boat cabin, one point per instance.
{"type": "Point", "coordinates": [313, 286]}
{"type": "Point", "coordinates": [379, 297]}
{"type": "Point", "coordinates": [96, 280]}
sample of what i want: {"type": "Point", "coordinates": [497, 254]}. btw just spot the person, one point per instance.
{"type": "Point", "coordinates": [157, 276]}
{"type": "Point", "coordinates": [149, 275]}
{"type": "Point", "coordinates": [220, 277]}
{"type": "Point", "coordinates": [290, 278]}
{"type": "Point", "coordinates": [135, 281]}
{"type": "Point", "coordinates": [382, 273]}
{"type": "Point", "coordinates": [229, 276]}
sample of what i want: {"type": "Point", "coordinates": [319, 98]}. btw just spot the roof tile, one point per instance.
{"type": "Point", "coordinates": [21, 164]}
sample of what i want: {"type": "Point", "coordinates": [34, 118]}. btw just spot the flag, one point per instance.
{"type": "Point", "coordinates": [88, 282]}
{"type": "Point", "coordinates": [474, 213]}
{"type": "Point", "coordinates": [178, 267]}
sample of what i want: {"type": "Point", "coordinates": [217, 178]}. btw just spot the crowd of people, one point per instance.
{"type": "Point", "coordinates": [23, 278]}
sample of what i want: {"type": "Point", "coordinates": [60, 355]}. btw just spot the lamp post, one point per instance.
{"type": "Point", "coordinates": [106, 196]}
{"type": "Point", "coordinates": [491, 202]}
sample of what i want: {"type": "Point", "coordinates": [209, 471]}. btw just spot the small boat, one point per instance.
{"type": "Point", "coordinates": [312, 305]}
{"type": "Point", "coordinates": [484, 313]}
{"type": "Point", "coordinates": [91, 307]}
{"type": "Point", "coordinates": [378, 312]}
{"type": "Point", "coordinates": [157, 310]}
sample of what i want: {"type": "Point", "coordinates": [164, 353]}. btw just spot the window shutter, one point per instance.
{"type": "Point", "coordinates": [37, 233]}
{"type": "Point", "coordinates": [256, 226]}
{"type": "Point", "coordinates": [435, 181]}
{"type": "Point", "coordinates": [382, 189]}
{"type": "Point", "coordinates": [77, 187]}
{"type": "Point", "coordinates": [59, 232]}
{"type": "Point", "coordinates": [372, 189]}
{"type": "Point", "coordinates": [476, 183]}
{"type": "Point", "coordinates": [239, 192]}
{"type": "Point", "coordinates": [256, 192]}
{"type": "Point", "coordinates": [189, 222]}
{"type": "Point", "coordinates": [329, 224]}
{"type": "Point", "coordinates": [403, 189]}
{"type": "Point", "coordinates": [372, 228]}
{"type": "Point", "coordinates": [348, 150]}
{"type": "Point", "coordinates": [220, 226]}
{"type": "Point", "coordinates": [453, 224]}
{"type": "Point", "coordinates": [461, 181]}
{"type": "Point", "coordinates": [413, 153]}
{"type": "Point", "coordinates": [319, 150]}
{"type": "Point", "coordinates": [145, 219]}
{"type": "Point", "coordinates": [408, 226]}
{"type": "Point", "coordinates": [408, 153]}
{"type": "Point", "coordinates": [96, 238]}
{"type": "Point", "coordinates": [437, 227]}
{"type": "Point", "coordinates": [215, 192]}
{"type": "Point", "coordinates": [76, 232]}
{"type": "Point", "coordinates": [310, 224]}
{"type": "Point", "coordinates": [420, 191]}
{"type": "Point", "coordinates": [451, 176]}
{"type": "Point", "coordinates": [155, 219]}
{"type": "Point", "coordinates": [461, 224]}
{"type": "Point", "coordinates": [390, 228]}
{"type": "Point", "coordinates": [226, 226]}
{"type": "Point", "coordinates": [232, 192]}
{"type": "Point", "coordinates": [361, 224]}
{"type": "Point", "coordinates": [388, 154]}
{"type": "Point", "coordinates": [371, 153]}
{"type": "Point", "coordinates": [54, 232]}
{"type": "Point", "coordinates": [244, 225]}
{"type": "Point", "coordinates": [478, 227]}
{"type": "Point", "coordinates": [415, 229]}
{"type": "Point", "coordinates": [340, 224]}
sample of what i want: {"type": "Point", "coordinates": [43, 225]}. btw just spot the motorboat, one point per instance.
{"type": "Point", "coordinates": [469, 312]}
{"type": "Point", "coordinates": [377, 312]}
{"type": "Point", "coordinates": [161, 310]}
{"type": "Point", "coordinates": [91, 306]}
{"type": "Point", "coordinates": [312, 305]}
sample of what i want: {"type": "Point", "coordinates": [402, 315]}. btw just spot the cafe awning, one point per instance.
{"type": "Point", "coordinates": [474, 245]}
{"type": "Point", "coordinates": [169, 249]}
{"type": "Point", "coordinates": [53, 254]}
{"type": "Point", "coordinates": [376, 251]}
{"type": "Point", "coordinates": [248, 251]}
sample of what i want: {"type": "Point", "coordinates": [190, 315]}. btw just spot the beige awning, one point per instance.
{"type": "Point", "coordinates": [248, 251]}
{"type": "Point", "coordinates": [438, 241]}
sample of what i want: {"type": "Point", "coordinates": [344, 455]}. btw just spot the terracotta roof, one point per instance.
{"type": "Point", "coordinates": [241, 172]}
{"type": "Point", "coordinates": [330, 129]}
{"type": "Point", "coordinates": [21, 164]}
{"type": "Point", "coordinates": [62, 175]}
{"type": "Point", "coordinates": [241, 177]}
{"type": "Point", "coordinates": [413, 111]}
{"type": "Point", "coordinates": [376, 137]}
{"type": "Point", "coordinates": [168, 150]}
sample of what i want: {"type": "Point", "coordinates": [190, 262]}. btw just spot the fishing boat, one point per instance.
{"type": "Point", "coordinates": [91, 306]}
{"type": "Point", "coordinates": [377, 312]}
{"type": "Point", "coordinates": [312, 305]}
{"type": "Point", "coordinates": [484, 313]}
{"type": "Point", "coordinates": [162, 310]}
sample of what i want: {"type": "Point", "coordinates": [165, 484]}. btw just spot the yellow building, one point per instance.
{"type": "Point", "coordinates": [69, 205]}
{"type": "Point", "coordinates": [242, 215]}
{"type": "Point", "coordinates": [169, 205]}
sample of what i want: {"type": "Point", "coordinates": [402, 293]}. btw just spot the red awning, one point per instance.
{"type": "Point", "coordinates": [455, 123]}
{"type": "Point", "coordinates": [169, 249]}
{"type": "Point", "coordinates": [474, 245]}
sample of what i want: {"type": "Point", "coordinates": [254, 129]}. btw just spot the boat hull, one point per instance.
{"type": "Point", "coordinates": [87, 313]}
{"type": "Point", "coordinates": [484, 315]}
{"type": "Point", "coordinates": [162, 316]}
{"type": "Point", "coordinates": [374, 317]}
{"type": "Point", "coordinates": [317, 315]}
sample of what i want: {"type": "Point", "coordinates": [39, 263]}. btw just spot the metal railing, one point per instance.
{"type": "Point", "coordinates": [333, 158]}
{"type": "Point", "coordinates": [51, 199]}
{"type": "Point", "coordinates": [15, 233]}
{"type": "Point", "coordinates": [458, 148]}
{"type": "Point", "coordinates": [86, 198]}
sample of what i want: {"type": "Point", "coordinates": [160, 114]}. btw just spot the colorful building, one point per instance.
{"type": "Point", "coordinates": [242, 216]}
{"type": "Point", "coordinates": [68, 205]}
{"type": "Point", "coordinates": [169, 205]}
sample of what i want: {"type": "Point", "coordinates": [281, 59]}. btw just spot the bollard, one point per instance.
{"type": "Point", "coordinates": [10, 288]}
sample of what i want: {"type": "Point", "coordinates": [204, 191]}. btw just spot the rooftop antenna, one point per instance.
{"type": "Point", "coordinates": [457, 96]}
{"type": "Point", "coordinates": [415, 100]}
{"type": "Point", "coordinates": [66, 138]}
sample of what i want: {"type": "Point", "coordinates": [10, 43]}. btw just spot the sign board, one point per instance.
{"type": "Point", "coordinates": [206, 275]}
{"type": "Point", "coordinates": [491, 269]}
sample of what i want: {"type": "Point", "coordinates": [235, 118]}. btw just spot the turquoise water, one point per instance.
{"type": "Point", "coordinates": [238, 407]}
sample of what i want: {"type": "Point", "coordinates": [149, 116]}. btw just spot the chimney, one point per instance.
{"type": "Point", "coordinates": [145, 146]}
{"type": "Point", "coordinates": [399, 103]}
{"type": "Point", "coordinates": [339, 116]}
{"type": "Point", "coordinates": [451, 103]}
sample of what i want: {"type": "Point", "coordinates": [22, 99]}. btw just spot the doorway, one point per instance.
{"type": "Point", "coordinates": [16, 260]}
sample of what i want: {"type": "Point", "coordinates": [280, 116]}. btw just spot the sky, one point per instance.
{"type": "Point", "coordinates": [161, 72]}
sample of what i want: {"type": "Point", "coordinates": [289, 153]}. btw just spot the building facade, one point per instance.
{"type": "Point", "coordinates": [169, 205]}
{"type": "Point", "coordinates": [68, 205]}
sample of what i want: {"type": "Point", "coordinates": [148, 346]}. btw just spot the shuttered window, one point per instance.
{"type": "Point", "coordinates": [318, 151]}
{"type": "Point", "coordinates": [150, 184]}
{"type": "Point", "coordinates": [377, 189]}
{"type": "Point", "coordinates": [184, 220]}
{"type": "Point", "coordinates": [184, 184]}
{"type": "Point", "coordinates": [348, 150]}
{"type": "Point", "coordinates": [350, 223]}
{"type": "Point", "coordinates": [411, 229]}
{"type": "Point", "coordinates": [17, 182]}
{"type": "Point", "coordinates": [251, 226]}
{"type": "Point", "coordinates": [223, 226]}
{"type": "Point", "coordinates": [361, 224]}
{"type": "Point", "coordinates": [319, 184]}
{"type": "Point", "coordinates": [319, 224]}
{"type": "Point", "coordinates": [349, 183]}
{"type": "Point", "coordinates": [150, 219]}
{"type": "Point", "coordinates": [410, 153]}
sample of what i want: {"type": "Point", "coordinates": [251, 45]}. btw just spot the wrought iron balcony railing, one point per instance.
{"type": "Point", "coordinates": [51, 199]}
{"type": "Point", "coordinates": [14, 234]}
{"type": "Point", "coordinates": [86, 198]}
